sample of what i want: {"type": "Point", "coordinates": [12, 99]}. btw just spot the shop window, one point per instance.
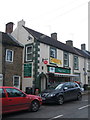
{"type": "Point", "coordinates": [76, 61]}
{"type": "Point", "coordinates": [9, 55]}
{"type": "Point", "coordinates": [66, 59]}
{"type": "Point", "coordinates": [53, 52]}
{"type": "Point", "coordinates": [29, 53]}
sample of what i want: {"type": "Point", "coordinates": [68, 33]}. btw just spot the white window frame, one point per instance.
{"type": "Point", "coordinates": [7, 55]}
{"type": "Point", "coordinates": [54, 52]}
{"type": "Point", "coordinates": [29, 53]}
{"type": "Point", "coordinates": [66, 59]}
{"type": "Point", "coordinates": [18, 79]}
{"type": "Point", "coordinates": [76, 62]}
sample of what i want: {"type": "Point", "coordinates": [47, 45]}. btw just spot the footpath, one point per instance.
{"type": "Point", "coordinates": [86, 92]}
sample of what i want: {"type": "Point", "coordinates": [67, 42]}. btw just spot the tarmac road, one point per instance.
{"type": "Point", "coordinates": [72, 109]}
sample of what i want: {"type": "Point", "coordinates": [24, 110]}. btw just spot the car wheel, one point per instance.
{"type": "Point", "coordinates": [79, 96]}
{"type": "Point", "coordinates": [60, 100]}
{"type": "Point", "coordinates": [34, 106]}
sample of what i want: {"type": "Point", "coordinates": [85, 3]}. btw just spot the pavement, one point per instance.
{"type": "Point", "coordinates": [86, 92]}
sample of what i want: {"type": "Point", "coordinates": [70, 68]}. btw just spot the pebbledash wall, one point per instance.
{"type": "Point", "coordinates": [39, 71]}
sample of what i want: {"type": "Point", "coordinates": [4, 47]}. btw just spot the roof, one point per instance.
{"type": "Point", "coordinates": [55, 43]}
{"type": "Point", "coordinates": [8, 39]}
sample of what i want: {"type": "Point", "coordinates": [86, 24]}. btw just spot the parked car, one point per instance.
{"type": "Point", "coordinates": [13, 99]}
{"type": "Point", "coordinates": [63, 92]}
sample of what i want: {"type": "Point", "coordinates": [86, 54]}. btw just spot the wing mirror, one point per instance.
{"type": "Point", "coordinates": [65, 88]}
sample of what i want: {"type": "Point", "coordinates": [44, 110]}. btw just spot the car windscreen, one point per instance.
{"type": "Point", "coordinates": [59, 87]}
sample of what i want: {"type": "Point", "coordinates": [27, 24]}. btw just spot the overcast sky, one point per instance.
{"type": "Point", "coordinates": [68, 18]}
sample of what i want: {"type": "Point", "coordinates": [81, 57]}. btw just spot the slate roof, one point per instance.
{"type": "Point", "coordinates": [55, 43]}
{"type": "Point", "coordinates": [10, 40]}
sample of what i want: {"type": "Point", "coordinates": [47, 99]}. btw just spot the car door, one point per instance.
{"type": "Point", "coordinates": [73, 90]}
{"type": "Point", "coordinates": [16, 100]}
{"type": "Point", "coordinates": [67, 91]}
{"type": "Point", "coordinates": [3, 101]}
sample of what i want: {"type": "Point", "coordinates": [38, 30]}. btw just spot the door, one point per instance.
{"type": "Point", "coordinates": [17, 100]}
{"type": "Point", "coordinates": [67, 91]}
{"type": "Point", "coordinates": [3, 101]}
{"type": "Point", "coordinates": [43, 83]}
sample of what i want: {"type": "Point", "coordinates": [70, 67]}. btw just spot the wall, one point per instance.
{"type": "Point", "coordinates": [14, 68]}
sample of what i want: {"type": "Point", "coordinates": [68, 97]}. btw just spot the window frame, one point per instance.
{"type": "Point", "coordinates": [76, 63]}
{"type": "Point", "coordinates": [31, 53]}
{"type": "Point", "coordinates": [66, 59]}
{"type": "Point", "coordinates": [18, 79]}
{"type": "Point", "coordinates": [55, 52]}
{"type": "Point", "coordinates": [7, 55]}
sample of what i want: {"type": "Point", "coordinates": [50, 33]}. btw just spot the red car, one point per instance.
{"type": "Point", "coordinates": [13, 99]}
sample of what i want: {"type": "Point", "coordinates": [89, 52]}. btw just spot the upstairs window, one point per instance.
{"type": "Point", "coordinates": [88, 64]}
{"type": "Point", "coordinates": [29, 53]}
{"type": "Point", "coordinates": [9, 55]}
{"type": "Point", "coordinates": [66, 59]}
{"type": "Point", "coordinates": [53, 52]}
{"type": "Point", "coordinates": [76, 66]}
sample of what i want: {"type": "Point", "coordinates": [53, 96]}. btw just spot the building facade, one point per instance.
{"type": "Point", "coordinates": [11, 59]}
{"type": "Point", "coordinates": [48, 61]}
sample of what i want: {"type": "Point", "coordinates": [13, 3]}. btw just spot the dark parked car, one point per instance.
{"type": "Point", "coordinates": [63, 92]}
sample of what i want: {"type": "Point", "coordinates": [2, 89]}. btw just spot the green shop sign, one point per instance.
{"type": "Point", "coordinates": [59, 70]}
{"type": "Point", "coordinates": [27, 70]}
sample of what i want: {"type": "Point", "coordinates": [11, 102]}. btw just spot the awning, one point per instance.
{"type": "Point", "coordinates": [66, 75]}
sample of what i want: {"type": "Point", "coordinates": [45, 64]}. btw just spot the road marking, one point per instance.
{"type": "Point", "coordinates": [56, 117]}
{"type": "Point", "coordinates": [83, 107]}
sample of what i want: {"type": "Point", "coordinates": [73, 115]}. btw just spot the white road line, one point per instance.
{"type": "Point", "coordinates": [83, 107]}
{"type": "Point", "coordinates": [55, 117]}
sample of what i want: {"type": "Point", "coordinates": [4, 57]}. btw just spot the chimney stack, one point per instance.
{"type": "Point", "coordinates": [69, 42]}
{"type": "Point", "coordinates": [83, 46]}
{"type": "Point", "coordinates": [54, 36]}
{"type": "Point", "coordinates": [9, 27]}
{"type": "Point", "coordinates": [21, 23]}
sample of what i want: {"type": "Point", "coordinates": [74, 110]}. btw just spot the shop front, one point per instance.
{"type": "Point", "coordinates": [57, 75]}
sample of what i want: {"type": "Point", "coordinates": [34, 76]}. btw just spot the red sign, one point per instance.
{"type": "Point", "coordinates": [45, 62]}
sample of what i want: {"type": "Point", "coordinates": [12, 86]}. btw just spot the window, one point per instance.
{"type": "Point", "coordinates": [53, 53]}
{"type": "Point", "coordinates": [16, 81]}
{"type": "Point", "coordinates": [76, 62]}
{"type": "Point", "coordinates": [2, 93]}
{"type": "Point", "coordinates": [9, 55]}
{"type": "Point", "coordinates": [29, 53]}
{"type": "Point", "coordinates": [66, 59]}
{"type": "Point", "coordinates": [14, 92]}
{"type": "Point", "coordinates": [88, 64]}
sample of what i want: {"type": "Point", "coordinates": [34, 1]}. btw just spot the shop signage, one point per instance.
{"type": "Point", "coordinates": [55, 61]}
{"type": "Point", "coordinates": [27, 70]}
{"type": "Point", "coordinates": [59, 70]}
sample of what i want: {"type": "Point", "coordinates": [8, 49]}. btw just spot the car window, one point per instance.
{"type": "Point", "coordinates": [59, 86]}
{"type": "Point", "coordinates": [67, 85]}
{"type": "Point", "coordinates": [14, 92]}
{"type": "Point", "coordinates": [2, 93]}
{"type": "Point", "coordinates": [76, 85]}
{"type": "Point", "coordinates": [73, 85]}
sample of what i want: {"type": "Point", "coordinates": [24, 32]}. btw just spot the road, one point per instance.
{"type": "Point", "coordinates": [72, 109]}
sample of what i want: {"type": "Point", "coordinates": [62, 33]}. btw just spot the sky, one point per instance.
{"type": "Point", "coordinates": [68, 18]}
